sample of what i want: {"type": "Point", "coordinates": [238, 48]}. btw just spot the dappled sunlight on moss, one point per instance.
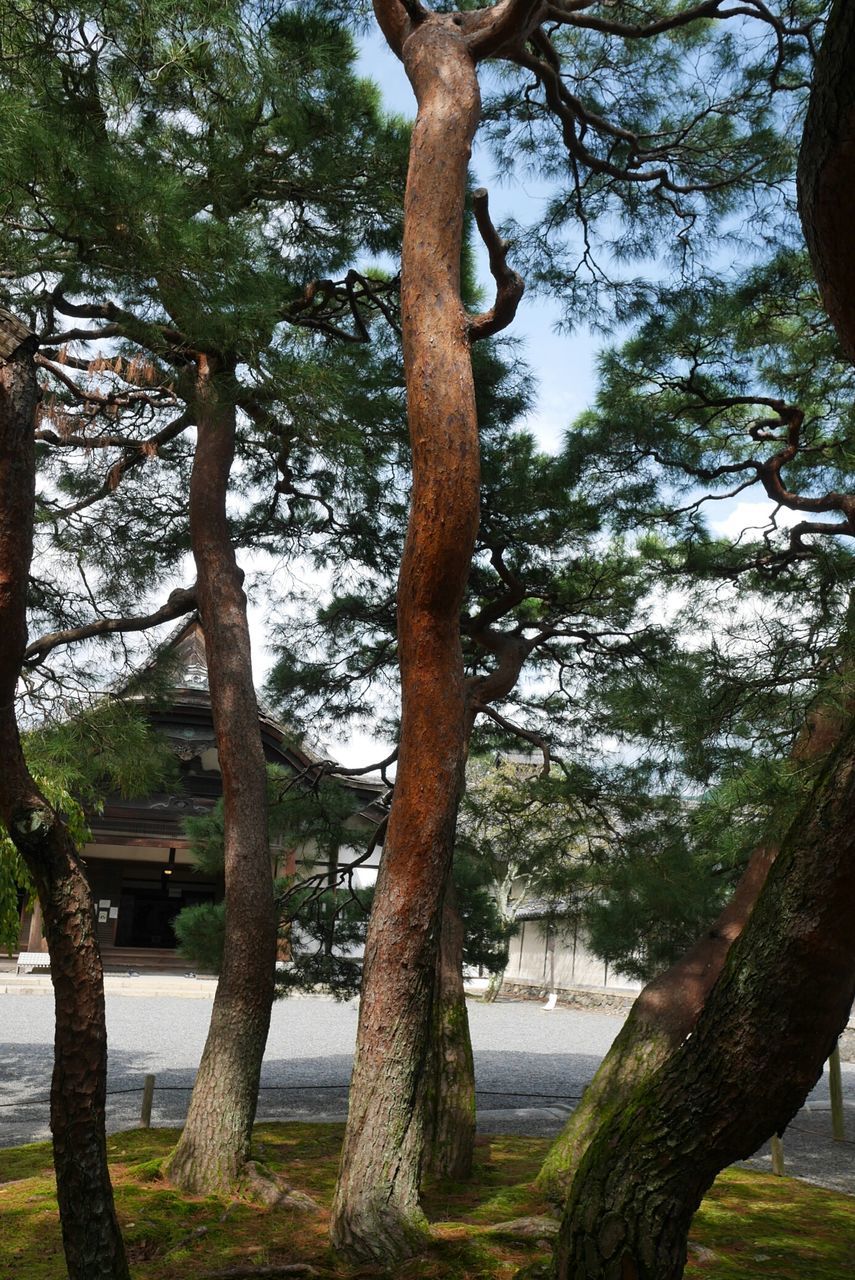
{"type": "Point", "coordinates": [750, 1225]}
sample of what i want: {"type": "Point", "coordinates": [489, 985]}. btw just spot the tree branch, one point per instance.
{"type": "Point", "coordinates": [489, 30]}
{"type": "Point", "coordinates": [526, 734]}
{"type": "Point", "coordinates": [509, 285]}
{"type": "Point", "coordinates": [133, 458]}
{"type": "Point", "coordinates": [181, 601]}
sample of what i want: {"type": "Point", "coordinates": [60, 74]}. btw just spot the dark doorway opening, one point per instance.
{"type": "Point", "coordinates": [147, 912]}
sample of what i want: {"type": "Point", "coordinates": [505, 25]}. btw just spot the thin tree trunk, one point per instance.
{"type": "Point", "coordinates": [215, 1145]}
{"type": "Point", "coordinates": [330, 908]}
{"type": "Point", "coordinates": [450, 1105]}
{"type": "Point", "coordinates": [91, 1237]}
{"type": "Point", "coordinates": [668, 1008]}
{"type": "Point", "coordinates": [494, 987]}
{"type": "Point", "coordinates": [376, 1212]}
{"type": "Point", "coordinates": [757, 1048]}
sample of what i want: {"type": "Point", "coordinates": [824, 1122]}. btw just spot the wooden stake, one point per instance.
{"type": "Point", "coordinates": [777, 1156]}
{"type": "Point", "coordinates": [147, 1098]}
{"type": "Point", "coordinates": [835, 1089]}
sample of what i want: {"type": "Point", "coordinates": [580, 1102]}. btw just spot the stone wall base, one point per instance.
{"type": "Point", "coordinates": [573, 997]}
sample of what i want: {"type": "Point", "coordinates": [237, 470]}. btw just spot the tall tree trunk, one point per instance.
{"type": "Point", "coordinates": [91, 1237]}
{"type": "Point", "coordinates": [758, 1046]}
{"type": "Point", "coordinates": [450, 1101]}
{"type": "Point", "coordinates": [668, 1008]}
{"type": "Point", "coordinates": [215, 1144]}
{"type": "Point", "coordinates": [376, 1213]}
{"type": "Point", "coordinates": [826, 169]}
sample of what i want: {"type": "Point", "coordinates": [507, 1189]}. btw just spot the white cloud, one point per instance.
{"type": "Point", "coordinates": [730, 521]}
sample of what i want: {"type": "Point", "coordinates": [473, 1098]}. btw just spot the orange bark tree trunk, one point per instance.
{"type": "Point", "coordinates": [376, 1213]}
{"type": "Point", "coordinates": [215, 1144]}
{"type": "Point", "coordinates": [91, 1237]}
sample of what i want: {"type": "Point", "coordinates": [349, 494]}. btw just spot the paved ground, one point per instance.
{"type": "Point", "coordinates": [531, 1065]}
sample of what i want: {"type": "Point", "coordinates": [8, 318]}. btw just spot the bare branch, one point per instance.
{"type": "Point", "coordinates": [134, 457]}
{"type": "Point", "coordinates": [334, 768]}
{"type": "Point", "coordinates": [509, 285]}
{"type": "Point", "coordinates": [527, 734]}
{"type": "Point", "coordinates": [181, 601]}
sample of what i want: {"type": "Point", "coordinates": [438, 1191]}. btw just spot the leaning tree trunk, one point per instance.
{"type": "Point", "coordinates": [661, 1018]}
{"type": "Point", "coordinates": [758, 1046]}
{"type": "Point", "coordinates": [669, 1006]}
{"type": "Point", "coordinates": [775, 1012]}
{"type": "Point", "coordinates": [215, 1145]}
{"type": "Point", "coordinates": [450, 1098]}
{"type": "Point", "coordinates": [90, 1232]}
{"type": "Point", "coordinates": [826, 169]}
{"type": "Point", "coordinates": [376, 1214]}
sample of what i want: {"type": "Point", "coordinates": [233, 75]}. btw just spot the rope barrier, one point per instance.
{"type": "Point", "coordinates": [296, 1088]}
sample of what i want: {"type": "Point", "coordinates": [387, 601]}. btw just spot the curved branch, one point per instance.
{"type": "Point", "coordinates": [488, 31]}
{"type": "Point", "coordinates": [509, 285]}
{"type": "Point", "coordinates": [332, 767]}
{"type": "Point", "coordinates": [527, 734]}
{"type": "Point", "coordinates": [180, 601]}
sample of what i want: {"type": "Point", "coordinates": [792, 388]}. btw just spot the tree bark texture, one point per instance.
{"type": "Point", "coordinates": [93, 1244]}
{"type": "Point", "coordinates": [215, 1144]}
{"type": "Point", "coordinates": [757, 1048]}
{"type": "Point", "coordinates": [376, 1214]}
{"type": "Point", "coordinates": [450, 1102]}
{"type": "Point", "coordinates": [669, 1006]}
{"type": "Point", "coordinates": [826, 171]}
{"type": "Point", "coordinates": [660, 1019]}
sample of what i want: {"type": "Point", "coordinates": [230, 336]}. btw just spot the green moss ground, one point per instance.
{"type": "Point", "coordinates": [750, 1225]}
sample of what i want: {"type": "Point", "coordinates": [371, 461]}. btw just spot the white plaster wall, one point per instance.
{"type": "Point", "coordinates": [574, 964]}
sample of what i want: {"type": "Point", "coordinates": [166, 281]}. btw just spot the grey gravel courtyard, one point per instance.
{"type": "Point", "coordinates": [530, 1065]}
{"type": "Point", "coordinates": [520, 1050]}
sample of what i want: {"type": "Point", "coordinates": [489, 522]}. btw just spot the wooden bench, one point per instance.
{"type": "Point", "coordinates": [29, 960]}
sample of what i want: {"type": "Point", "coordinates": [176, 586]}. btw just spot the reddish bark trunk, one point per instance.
{"type": "Point", "coordinates": [215, 1144]}
{"type": "Point", "coordinates": [376, 1212]}
{"type": "Point", "coordinates": [91, 1237]}
{"type": "Point", "coordinates": [758, 1046]}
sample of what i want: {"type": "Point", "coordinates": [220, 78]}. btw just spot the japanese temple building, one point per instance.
{"type": "Point", "coordinates": [139, 862]}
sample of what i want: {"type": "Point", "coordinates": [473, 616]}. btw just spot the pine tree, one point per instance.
{"type": "Point", "coordinates": [184, 186]}
{"type": "Point", "coordinates": [613, 168]}
{"type": "Point", "coordinates": [46, 844]}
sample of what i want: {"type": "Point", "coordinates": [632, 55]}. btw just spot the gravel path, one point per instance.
{"type": "Point", "coordinates": [530, 1066]}
{"type": "Point", "coordinates": [520, 1050]}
